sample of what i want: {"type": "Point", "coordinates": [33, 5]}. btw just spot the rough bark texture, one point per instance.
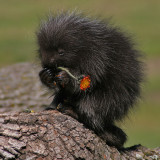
{"type": "Point", "coordinates": [50, 134]}
{"type": "Point", "coordinates": [20, 88]}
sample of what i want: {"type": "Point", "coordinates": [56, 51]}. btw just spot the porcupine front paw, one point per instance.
{"type": "Point", "coordinates": [62, 78]}
{"type": "Point", "coordinates": [47, 77]}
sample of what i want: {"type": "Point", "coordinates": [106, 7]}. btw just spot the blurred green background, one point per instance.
{"type": "Point", "coordinates": [19, 20]}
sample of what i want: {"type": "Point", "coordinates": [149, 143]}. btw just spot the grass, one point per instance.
{"type": "Point", "coordinates": [143, 127]}
{"type": "Point", "coordinates": [19, 21]}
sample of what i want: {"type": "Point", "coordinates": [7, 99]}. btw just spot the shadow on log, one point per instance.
{"type": "Point", "coordinates": [48, 135]}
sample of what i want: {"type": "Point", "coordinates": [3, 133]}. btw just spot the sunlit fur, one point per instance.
{"type": "Point", "coordinates": [94, 47]}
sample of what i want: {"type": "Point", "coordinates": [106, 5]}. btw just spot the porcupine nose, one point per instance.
{"type": "Point", "coordinates": [48, 63]}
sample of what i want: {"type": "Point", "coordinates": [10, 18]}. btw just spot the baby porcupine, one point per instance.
{"type": "Point", "coordinates": [86, 46]}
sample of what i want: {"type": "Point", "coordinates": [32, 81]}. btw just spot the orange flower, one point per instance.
{"type": "Point", "coordinates": [85, 83]}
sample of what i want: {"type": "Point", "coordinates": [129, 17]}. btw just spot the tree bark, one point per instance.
{"type": "Point", "coordinates": [48, 134]}
{"type": "Point", "coordinates": [52, 135]}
